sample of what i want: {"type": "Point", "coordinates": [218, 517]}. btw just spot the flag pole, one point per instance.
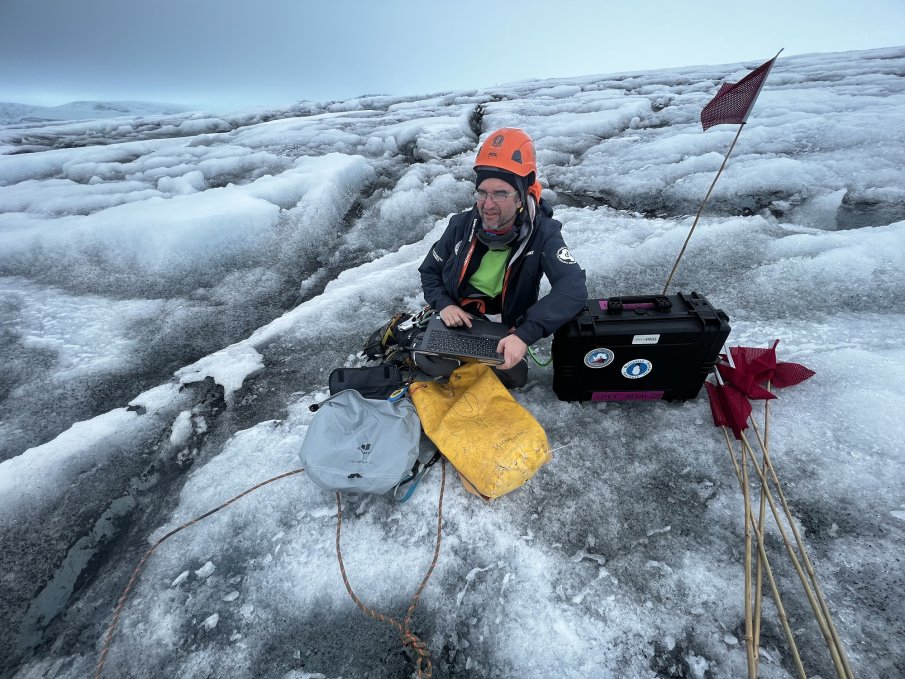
{"type": "Point", "coordinates": [701, 209]}
{"type": "Point", "coordinates": [732, 104]}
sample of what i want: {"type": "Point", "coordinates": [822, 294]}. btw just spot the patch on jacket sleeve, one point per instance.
{"type": "Point", "coordinates": [438, 257]}
{"type": "Point", "coordinates": [564, 256]}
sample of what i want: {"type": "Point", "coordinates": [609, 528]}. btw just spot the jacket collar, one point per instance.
{"type": "Point", "coordinates": [526, 230]}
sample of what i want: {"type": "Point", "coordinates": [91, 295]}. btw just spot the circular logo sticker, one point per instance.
{"type": "Point", "coordinates": [564, 256]}
{"type": "Point", "coordinates": [598, 358]}
{"type": "Point", "coordinates": [636, 368]}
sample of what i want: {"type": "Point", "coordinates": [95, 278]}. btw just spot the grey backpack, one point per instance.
{"type": "Point", "coordinates": [360, 445]}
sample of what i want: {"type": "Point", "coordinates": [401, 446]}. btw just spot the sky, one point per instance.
{"type": "Point", "coordinates": [215, 55]}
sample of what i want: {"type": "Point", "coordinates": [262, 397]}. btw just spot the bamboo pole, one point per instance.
{"type": "Point", "coordinates": [815, 597]}
{"type": "Point", "coordinates": [812, 599]}
{"type": "Point", "coordinates": [777, 599]}
{"type": "Point", "coordinates": [701, 209]}
{"type": "Point", "coordinates": [774, 589]}
{"type": "Point", "coordinates": [834, 639]}
{"type": "Point", "coordinates": [749, 622]}
{"type": "Point", "coordinates": [758, 594]}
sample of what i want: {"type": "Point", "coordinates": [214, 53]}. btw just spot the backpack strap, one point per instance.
{"type": "Point", "coordinates": [414, 479]}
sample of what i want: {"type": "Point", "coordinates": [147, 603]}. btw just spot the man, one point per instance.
{"type": "Point", "coordinates": [490, 259]}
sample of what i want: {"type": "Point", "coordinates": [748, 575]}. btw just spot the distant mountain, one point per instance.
{"type": "Point", "coordinates": [11, 113]}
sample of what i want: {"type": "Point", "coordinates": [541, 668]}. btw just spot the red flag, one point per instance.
{"type": "Point", "coordinates": [745, 381]}
{"type": "Point", "coordinates": [734, 101]}
{"type": "Point", "coordinates": [759, 362]}
{"type": "Point", "coordinates": [790, 374]}
{"type": "Point", "coordinates": [754, 365]}
{"type": "Point", "coordinates": [730, 408]}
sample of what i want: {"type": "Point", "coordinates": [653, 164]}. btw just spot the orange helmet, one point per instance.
{"type": "Point", "coordinates": [510, 150]}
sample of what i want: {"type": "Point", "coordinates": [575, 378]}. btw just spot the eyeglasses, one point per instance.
{"type": "Point", "coordinates": [495, 196]}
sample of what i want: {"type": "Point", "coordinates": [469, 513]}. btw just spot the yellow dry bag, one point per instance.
{"type": "Point", "coordinates": [492, 441]}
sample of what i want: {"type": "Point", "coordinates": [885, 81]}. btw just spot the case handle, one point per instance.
{"type": "Point", "coordinates": [615, 305]}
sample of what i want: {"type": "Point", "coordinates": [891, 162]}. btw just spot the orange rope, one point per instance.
{"type": "Point", "coordinates": [132, 580]}
{"type": "Point", "coordinates": [409, 639]}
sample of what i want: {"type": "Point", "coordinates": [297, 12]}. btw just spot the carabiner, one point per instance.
{"type": "Point", "coordinates": [398, 394]}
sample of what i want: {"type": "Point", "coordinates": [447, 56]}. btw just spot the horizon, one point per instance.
{"type": "Point", "coordinates": [185, 106]}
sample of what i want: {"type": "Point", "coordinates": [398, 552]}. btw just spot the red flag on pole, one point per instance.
{"type": "Point", "coordinates": [754, 365]}
{"type": "Point", "coordinates": [729, 407]}
{"type": "Point", "coordinates": [734, 101]}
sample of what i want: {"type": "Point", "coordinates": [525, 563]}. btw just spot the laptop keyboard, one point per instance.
{"type": "Point", "coordinates": [445, 342]}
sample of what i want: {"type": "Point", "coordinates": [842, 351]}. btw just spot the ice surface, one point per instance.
{"type": "Point", "coordinates": [175, 297]}
{"type": "Point", "coordinates": [229, 368]}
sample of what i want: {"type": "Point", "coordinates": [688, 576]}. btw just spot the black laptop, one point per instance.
{"type": "Point", "coordinates": [475, 344]}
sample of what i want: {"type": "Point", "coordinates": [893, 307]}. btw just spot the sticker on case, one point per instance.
{"type": "Point", "coordinates": [637, 368]}
{"type": "Point", "coordinates": [599, 358]}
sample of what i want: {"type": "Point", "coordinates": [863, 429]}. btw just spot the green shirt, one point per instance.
{"type": "Point", "coordinates": [491, 271]}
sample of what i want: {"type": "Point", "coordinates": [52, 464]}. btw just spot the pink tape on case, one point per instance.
{"type": "Point", "coordinates": [626, 395]}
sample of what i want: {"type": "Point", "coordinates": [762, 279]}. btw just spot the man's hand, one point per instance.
{"type": "Point", "coordinates": [513, 349]}
{"type": "Point", "coordinates": [453, 316]}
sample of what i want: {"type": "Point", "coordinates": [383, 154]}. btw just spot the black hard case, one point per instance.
{"type": "Point", "coordinates": [674, 340]}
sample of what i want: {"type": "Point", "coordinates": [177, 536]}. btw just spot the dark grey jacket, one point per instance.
{"type": "Point", "coordinates": [539, 250]}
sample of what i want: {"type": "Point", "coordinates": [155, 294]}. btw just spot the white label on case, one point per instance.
{"type": "Point", "coordinates": [645, 339]}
